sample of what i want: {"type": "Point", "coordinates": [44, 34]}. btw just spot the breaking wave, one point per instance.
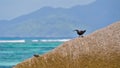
{"type": "Point", "coordinates": [12, 41]}
{"type": "Point", "coordinates": [55, 40]}
{"type": "Point", "coordinates": [34, 40]}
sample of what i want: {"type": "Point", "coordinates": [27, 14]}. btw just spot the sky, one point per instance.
{"type": "Point", "coordinates": [10, 9]}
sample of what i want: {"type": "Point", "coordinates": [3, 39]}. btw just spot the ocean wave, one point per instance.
{"type": "Point", "coordinates": [12, 41]}
{"type": "Point", "coordinates": [8, 63]}
{"type": "Point", "coordinates": [35, 40]}
{"type": "Point", "coordinates": [55, 40]}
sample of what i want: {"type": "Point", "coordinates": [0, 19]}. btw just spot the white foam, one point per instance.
{"type": "Point", "coordinates": [12, 41]}
{"type": "Point", "coordinates": [35, 40]}
{"type": "Point", "coordinates": [54, 40]}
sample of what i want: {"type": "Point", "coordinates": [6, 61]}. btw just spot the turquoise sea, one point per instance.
{"type": "Point", "coordinates": [16, 50]}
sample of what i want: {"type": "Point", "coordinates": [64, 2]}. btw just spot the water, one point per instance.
{"type": "Point", "coordinates": [16, 50]}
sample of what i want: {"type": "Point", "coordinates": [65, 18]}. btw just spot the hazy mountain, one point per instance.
{"type": "Point", "coordinates": [60, 22]}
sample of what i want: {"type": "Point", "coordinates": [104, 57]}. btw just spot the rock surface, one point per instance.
{"type": "Point", "coordinates": [100, 49]}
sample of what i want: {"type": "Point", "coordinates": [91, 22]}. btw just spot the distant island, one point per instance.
{"type": "Point", "coordinates": [60, 22]}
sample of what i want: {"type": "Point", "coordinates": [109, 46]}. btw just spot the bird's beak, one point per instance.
{"type": "Point", "coordinates": [74, 30]}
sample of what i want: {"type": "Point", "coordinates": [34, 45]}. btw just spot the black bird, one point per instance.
{"type": "Point", "coordinates": [36, 55]}
{"type": "Point", "coordinates": [80, 32]}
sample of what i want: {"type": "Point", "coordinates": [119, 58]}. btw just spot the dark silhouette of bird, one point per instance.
{"type": "Point", "coordinates": [36, 55]}
{"type": "Point", "coordinates": [80, 32]}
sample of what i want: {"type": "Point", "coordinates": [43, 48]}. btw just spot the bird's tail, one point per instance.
{"type": "Point", "coordinates": [84, 30]}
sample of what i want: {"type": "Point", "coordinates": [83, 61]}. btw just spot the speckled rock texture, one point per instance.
{"type": "Point", "coordinates": [101, 49]}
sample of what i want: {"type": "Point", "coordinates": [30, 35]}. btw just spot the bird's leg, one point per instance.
{"type": "Point", "coordinates": [82, 36]}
